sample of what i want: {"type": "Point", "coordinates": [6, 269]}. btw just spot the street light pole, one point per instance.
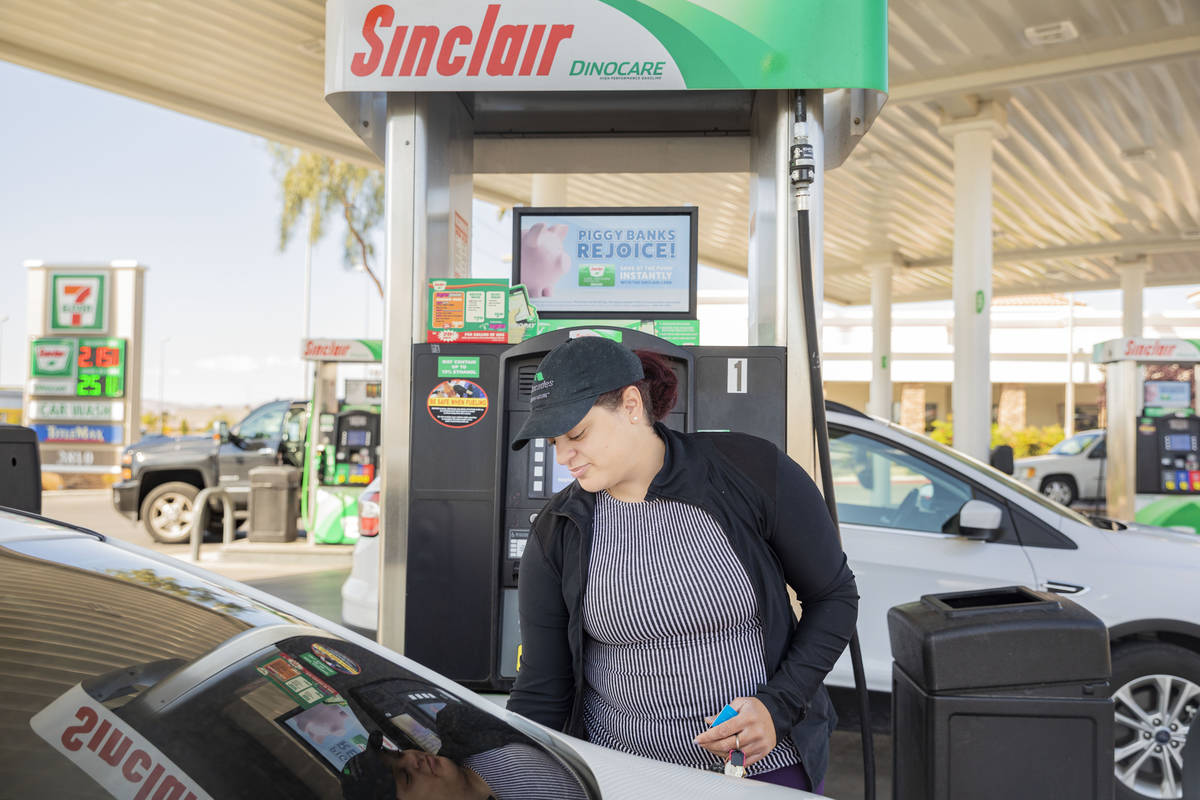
{"type": "Point", "coordinates": [308, 368]}
{"type": "Point", "coordinates": [162, 381]}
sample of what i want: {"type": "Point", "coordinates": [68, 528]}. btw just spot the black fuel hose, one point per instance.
{"type": "Point", "coordinates": [821, 432]}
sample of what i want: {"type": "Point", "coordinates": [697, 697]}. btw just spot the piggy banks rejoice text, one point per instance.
{"type": "Point", "coordinates": [543, 261]}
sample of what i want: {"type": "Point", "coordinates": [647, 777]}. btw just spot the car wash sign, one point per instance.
{"type": "Point", "coordinates": [616, 45]}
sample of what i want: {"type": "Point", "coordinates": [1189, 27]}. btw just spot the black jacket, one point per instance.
{"type": "Point", "coordinates": [780, 530]}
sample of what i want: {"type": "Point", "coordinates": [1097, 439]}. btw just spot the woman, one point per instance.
{"type": "Point", "coordinates": [653, 589]}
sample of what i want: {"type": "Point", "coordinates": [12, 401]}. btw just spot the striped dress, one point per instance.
{"type": "Point", "coordinates": [673, 632]}
{"type": "Point", "coordinates": [520, 772]}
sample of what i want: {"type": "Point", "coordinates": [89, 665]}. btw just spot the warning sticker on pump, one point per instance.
{"type": "Point", "coordinates": [457, 403]}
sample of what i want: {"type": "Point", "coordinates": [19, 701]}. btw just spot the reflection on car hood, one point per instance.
{"type": "Point", "coordinates": [1165, 545]}
{"type": "Point", "coordinates": [173, 444]}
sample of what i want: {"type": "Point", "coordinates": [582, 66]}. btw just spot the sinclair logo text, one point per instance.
{"type": "Point", "coordinates": [406, 51]}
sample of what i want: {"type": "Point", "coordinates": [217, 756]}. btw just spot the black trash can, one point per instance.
{"type": "Point", "coordinates": [1191, 766]}
{"type": "Point", "coordinates": [1000, 693]}
{"type": "Point", "coordinates": [20, 469]}
{"type": "Point", "coordinates": [274, 498]}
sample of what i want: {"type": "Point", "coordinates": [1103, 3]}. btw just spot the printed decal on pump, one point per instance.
{"type": "Point", "coordinates": [457, 403]}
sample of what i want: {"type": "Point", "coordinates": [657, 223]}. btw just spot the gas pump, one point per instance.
{"type": "Point", "coordinates": [473, 500]}
{"type": "Point", "coordinates": [1153, 430]}
{"type": "Point", "coordinates": [342, 442]}
{"type": "Point", "coordinates": [355, 449]}
{"type": "Point", "coordinates": [717, 100]}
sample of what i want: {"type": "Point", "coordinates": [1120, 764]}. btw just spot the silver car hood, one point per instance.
{"type": "Point", "coordinates": [1033, 461]}
{"type": "Point", "coordinates": [1162, 545]}
{"type": "Point", "coordinates": [624, 776]}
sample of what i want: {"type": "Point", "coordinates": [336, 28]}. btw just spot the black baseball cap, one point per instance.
{"type": "Point", "coordinates": [569, 380]}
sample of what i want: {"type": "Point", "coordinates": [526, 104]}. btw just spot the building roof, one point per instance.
{"type": "Point", "coordinates": [1097, 166]}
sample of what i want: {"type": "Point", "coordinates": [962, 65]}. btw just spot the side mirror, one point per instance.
{"type": "Point", "coordinates": [1002, 459]}
{"type": "Point", "coordinates": [220, 432]}
{"type": "Point", "coordinates": [979, 519]}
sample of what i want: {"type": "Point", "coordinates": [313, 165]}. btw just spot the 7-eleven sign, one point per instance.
{"type": "Point", "coordinates": [78, 302]}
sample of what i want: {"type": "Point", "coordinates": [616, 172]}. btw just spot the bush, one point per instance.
{"type": "Point", "coordinates": [943, 431]}
{"type": "Point", "coordinates": [1030, 441]}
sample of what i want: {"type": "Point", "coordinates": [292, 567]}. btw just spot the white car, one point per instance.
{"type": "Point", "coordinates": [896, 491]}
{"type": "Point", "coordinates": [360, 592]}
{"type": "Point", "coordinates": [1072, 470]}
{"type": "Point", "coordinates": [131, 673]}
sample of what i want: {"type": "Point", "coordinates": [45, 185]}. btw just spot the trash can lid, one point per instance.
{"type": "Point", "coordinates": [275, 477]}
{"type": "Point", "coordinates": [1004, 637]}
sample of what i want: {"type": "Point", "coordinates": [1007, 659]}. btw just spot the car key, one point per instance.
{"type": "Point", "coordinates": [735, 767]}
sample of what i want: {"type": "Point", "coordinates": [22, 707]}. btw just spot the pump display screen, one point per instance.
{"type": "Point", "coordinates": [357, 438]}
{"type": "Point", "coordinates": [560, 476]}
{"type": "Point", "coordinates": [1178, 442]}
{"type": "Point", "coordinates": [1168, 394]}
{"type": "Point", "coordinates": [607, 262]}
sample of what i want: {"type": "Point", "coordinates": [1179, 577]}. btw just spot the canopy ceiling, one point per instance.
{"type": "Point", "coordinates": [1099, 166]}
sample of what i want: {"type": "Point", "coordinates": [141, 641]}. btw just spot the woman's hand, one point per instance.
{"type": "Point", "coordinates": [752, 729]}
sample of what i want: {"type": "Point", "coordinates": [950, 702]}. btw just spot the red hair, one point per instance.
{"type": "Point", "coordinates": [659, 389]}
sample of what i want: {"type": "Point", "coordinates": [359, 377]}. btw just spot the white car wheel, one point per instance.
{"type": "Point", "coordinates": [1060, 490]}
{"type": "Point", "coordinates": [1154, 706]}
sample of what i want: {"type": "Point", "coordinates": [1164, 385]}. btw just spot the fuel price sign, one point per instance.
{"type": "Point", "coordinates": [100, 368]}
{"type": "Point", "coordinates": [92, 368]}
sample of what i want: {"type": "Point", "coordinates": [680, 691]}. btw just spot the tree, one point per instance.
{"type": "Point", "coordinates": [325, 187]}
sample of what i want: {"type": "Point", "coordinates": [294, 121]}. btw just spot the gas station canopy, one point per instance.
{"type": "Point", "coordinates": [1094, 169]}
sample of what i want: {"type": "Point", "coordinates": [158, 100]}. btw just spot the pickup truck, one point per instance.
{"type": "Point", "coordinates": [161, 476]}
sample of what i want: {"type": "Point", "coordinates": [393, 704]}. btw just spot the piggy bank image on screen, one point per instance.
{"type": "Point", "coordinates": [543, 260]}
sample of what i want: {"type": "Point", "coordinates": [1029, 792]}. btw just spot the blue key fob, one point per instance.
{"type": "Point", "coordinates": [727, 713]}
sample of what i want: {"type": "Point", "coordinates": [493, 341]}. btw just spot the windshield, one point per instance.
{"type": "Point", "coordinates": [143, 691]}
{"type": "Point", "coordinates": [972, 464]}
{"type": "Point", "coordinates": [1076, 444]}
{"type": "Point", "coordinates": [262, 423]}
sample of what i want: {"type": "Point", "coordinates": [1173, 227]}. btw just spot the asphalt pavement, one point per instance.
{"type": "Point", "coordinates": [311, 584]}
{"type": "Point", "coordinates": [308, 575]}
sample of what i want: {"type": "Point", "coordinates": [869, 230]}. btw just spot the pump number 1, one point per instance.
{"type": "Point", "coordinates": [738, 378]}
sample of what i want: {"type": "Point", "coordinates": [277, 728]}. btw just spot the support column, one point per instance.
{"type": "Point", "coordinates": [549, 190]}
{"type": "Point", "coordinates": [971, 394]}
{"type": "Point", "coordinates": [427, 175]}
{"type": "Point", "coordinates": [1069, 400]}
{"type": "Point", "coordinates": [879, 403]}
{"type": "Point", "coordinates": [1133, 281]}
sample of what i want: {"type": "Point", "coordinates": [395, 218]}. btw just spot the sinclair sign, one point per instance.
{"type": "Point", "coordinates": [606, 45]}
{"type": "Point", "coordinates": [1139, 349]}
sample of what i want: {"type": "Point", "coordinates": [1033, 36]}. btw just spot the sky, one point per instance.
{"type": "Point", "coordinates": [89, 176]}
